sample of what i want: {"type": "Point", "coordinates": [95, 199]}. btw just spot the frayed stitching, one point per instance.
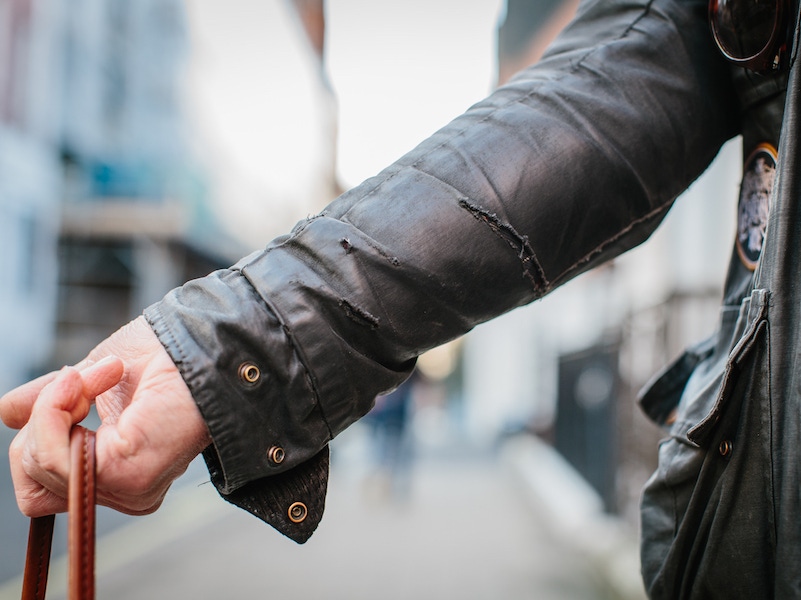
{"type": "Point", "coordinates": [359, 315]}
{"type": "Point", "coordinates": [662, 208]}
{"type": "Point", "coordinates": [349, 247]}
{"type": "Point", "coordinates": [525, 253]}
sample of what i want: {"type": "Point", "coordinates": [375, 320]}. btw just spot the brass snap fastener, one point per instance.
{"type": "Point", "coordinates": [276, 454]}
{"type": "Point", "coordinates": [725, 448]}
{"type": "Point", "coordinates": [297, 512]}
{"type": "Point", "coordinates": [249, 373]}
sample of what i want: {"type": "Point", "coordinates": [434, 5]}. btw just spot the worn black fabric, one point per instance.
{"type": "Point", "coordinates": [305, 485]}
{"type": "Point", "coordinates": [708, 521]}
{"type": "Point", "coordinates": [720, 516]}
{"type": "Point", "coordinates": [577, 159]}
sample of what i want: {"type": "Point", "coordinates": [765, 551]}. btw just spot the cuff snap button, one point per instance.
{"type": "Point", "coordinates": [249, 373]}
{"type": "Point", "coordinates": [297, 512]}
{"type": "Point", "coordinates": [276, 454]}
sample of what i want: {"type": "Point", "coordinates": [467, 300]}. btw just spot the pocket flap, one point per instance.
{"type": "Point", "coordinates": [756, 323]}
{"type": "Point", "coordinates": [661, 395]}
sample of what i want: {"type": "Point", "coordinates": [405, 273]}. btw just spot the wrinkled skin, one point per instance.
{"type": "Point", "coordinates": [151, 428]}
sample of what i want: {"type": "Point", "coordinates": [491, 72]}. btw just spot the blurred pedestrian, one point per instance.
{"type": "Point", "coordinates": [389, 422]}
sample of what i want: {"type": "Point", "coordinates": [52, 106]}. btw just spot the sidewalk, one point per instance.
{"type": "Point", "coordinates": [469, 529]}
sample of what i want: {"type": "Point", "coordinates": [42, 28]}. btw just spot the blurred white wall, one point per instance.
{"type": "Point", "coordinates": [262, 117]}
{"type": "Point", "coordinates": [272, 126]}
{"type": "Point", "coordinates": [402, 70]}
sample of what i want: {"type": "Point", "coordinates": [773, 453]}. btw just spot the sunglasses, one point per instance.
{"type": "Point", "coordinates": [752, 33]}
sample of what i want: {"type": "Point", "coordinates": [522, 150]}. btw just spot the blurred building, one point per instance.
{"type": "Point", "coordinates": [96, 179]}
{"type": "Point", "coordinates": [109, 195]}
{"type": "Point", "coordinates": [133, 218]}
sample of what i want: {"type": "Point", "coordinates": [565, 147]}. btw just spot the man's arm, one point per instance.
{"type": "Point", "coordinates": [574, 161]}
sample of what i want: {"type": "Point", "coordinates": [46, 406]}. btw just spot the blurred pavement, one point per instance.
{"type": "Point", "coordinates": [473, 525]}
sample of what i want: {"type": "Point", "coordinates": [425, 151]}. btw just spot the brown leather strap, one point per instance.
{"type": "Point", "coordinates": [81, 524]}
{"type": "Point", "coordinates": [37, 561]}
{"type": "Point", "coordinates": [81, 528]}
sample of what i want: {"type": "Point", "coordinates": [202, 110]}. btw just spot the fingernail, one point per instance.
{"type": "Point", "coordinates": [103, 362]}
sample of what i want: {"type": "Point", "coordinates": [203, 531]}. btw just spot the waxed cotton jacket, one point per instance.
{"type": "Point", "coordinates": [574, 161]}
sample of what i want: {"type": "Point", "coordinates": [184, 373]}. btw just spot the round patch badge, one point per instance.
{"type": "Point", "coordinates": [752, 213]}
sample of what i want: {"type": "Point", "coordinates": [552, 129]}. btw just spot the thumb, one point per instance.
{"type": "Point", "coordinates": [101, 376]}
{"type": "Point", "coordinates": [45, 452]}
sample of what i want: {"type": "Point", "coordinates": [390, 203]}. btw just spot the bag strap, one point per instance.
{"type": "Point", "coordinates": [80, 528]}
{"type": "Point", "coordinates": [37, 560]}
{"type": "Point", "coordinates": [81, 522]}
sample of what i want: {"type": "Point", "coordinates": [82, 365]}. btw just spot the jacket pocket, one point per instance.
{"type": "Point", "coordinates": [707, 512]}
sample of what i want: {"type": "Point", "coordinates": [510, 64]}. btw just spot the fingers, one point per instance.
{"type": "Point", "coordinates": [45, 451]}
{"type": "Point", "coordinates": [33, 499]}
{"type": "Point", "coordinates": [40, 452]}
{"type": "Point", "coordinates": [101, 376]}
{"type": "Point", "coordinates": [151, 427]}
{"type": "Point", "coordinates": [16, 405]}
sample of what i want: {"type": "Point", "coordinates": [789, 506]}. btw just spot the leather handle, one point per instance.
{"type": "Point", "coordinates": [37, 560]}
{"type": "Point", "coordinates": [81, 518]}
{"type": "Point", "coordinates": [80, 529]}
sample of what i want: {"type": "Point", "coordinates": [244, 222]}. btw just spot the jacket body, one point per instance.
{"type": "Point", "coordinates": [708, 516]}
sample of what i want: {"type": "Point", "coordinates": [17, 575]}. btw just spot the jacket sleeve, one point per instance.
{"type": "Point", "coordinates": [574, 161]}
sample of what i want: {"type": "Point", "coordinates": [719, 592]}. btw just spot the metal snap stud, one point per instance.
{"type": "Point", "coordinates": [725, 448]}
{"type": "Point", "coordinates": [297, 512]}
{"type": "Point", "coordinates": [249, 373]}
{"type": "Point", "coordinates": [276, 454]}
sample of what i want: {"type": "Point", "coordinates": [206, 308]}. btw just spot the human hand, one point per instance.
{"type": "Point", "coordinates": [150, 430]}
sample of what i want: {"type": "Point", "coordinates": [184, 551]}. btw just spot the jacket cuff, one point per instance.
{"type": "Point", "coordinates": [292, 502]}
{"type": "Point", "coordinates": [269, 433]}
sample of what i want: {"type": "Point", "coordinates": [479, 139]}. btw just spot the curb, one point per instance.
{"type": "Point", "coordinates": [572, 514]}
